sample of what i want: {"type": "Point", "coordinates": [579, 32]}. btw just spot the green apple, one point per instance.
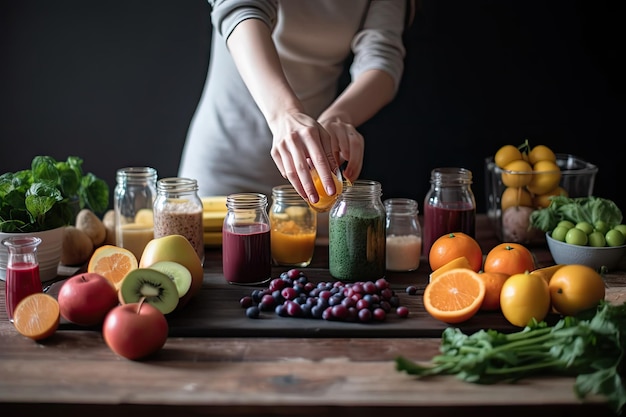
{"type": "Point", "coordinates": [621, 228]}
{"type": "Point", "coordinates": [175, 248]}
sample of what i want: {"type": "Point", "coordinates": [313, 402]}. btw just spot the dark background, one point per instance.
{"type": "Point", "coordinates": [116, 83]}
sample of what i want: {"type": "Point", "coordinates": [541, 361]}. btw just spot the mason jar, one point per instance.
{"type": "Point", "coordinates": [449, 205]}
{"type": "Point", "coordinates": [404, 234]}
{"type": "Point", "coordinates": [133, 199]}
{"type": "Point", "coordinates": [356, 233]}
{"type": "Point", "coordinates": [246, 248]}
{"type": "Point", "coordinates": [178, 211]}
{"type": "Point", "coordinates": [293, 228]}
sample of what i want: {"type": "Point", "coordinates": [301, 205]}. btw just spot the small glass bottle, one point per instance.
{"type": "Point", "coordinates": [22, 273]}
{"type": "Point", "coordinates": [294, 227]}
{"type": "Point", "coordinates": [246, 247]}
{"type": "Point", "coordinates": [404, 234]}
{"type": "Point", "coordinates": [134, 196]}
{"type": "Point", "coordinates": [449, 205]}
{"type": "Point", "coordinates": [356, 233]}
{"type": "Point", "coordinates": [178, 211]}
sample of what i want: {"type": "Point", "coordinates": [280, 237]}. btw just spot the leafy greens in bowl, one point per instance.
{"type": "Point", "coordinates": [48, 195]}
{"type": "Point", "coordinates": [582, 209]}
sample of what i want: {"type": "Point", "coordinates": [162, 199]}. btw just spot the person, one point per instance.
{"type": "Point", "coordinates": [270, 109]}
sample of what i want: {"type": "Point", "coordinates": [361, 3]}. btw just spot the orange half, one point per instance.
{"type": "Point", "coordinates": [455, 296]}
{"type": "Point", "coordinates": [37, 316]}
{"type": "Point", "coordinates": [113, 263]}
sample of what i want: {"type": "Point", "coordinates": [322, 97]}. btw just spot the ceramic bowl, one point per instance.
{"type": "Point", "coordinates": [565, 253]}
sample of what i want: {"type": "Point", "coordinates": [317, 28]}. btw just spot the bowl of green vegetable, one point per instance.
{"type": "Point", "coordinates": [42, 200]}
{"type": "Point", "coordinates": [596, 257]}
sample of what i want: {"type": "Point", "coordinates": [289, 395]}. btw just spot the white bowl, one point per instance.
{"type": "Point", "coordinates": [565, 253]}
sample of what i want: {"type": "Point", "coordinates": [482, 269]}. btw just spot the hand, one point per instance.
{"type": "Point", "coordinates": [299, 144]}
{"type": "Point", "coordinates": [348, 145]}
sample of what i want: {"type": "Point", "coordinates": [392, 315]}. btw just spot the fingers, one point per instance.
{"type": "Point", "coordinates": [348, 145]}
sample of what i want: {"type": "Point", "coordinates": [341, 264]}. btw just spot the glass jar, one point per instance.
{"type": "Point", "coordinates": [178, 211]}
{"type": "Point", "coordinates": [134, 196]}
{"type": "Point", "coordinates": [404, 234]}
{"type": "Point", "coordinates": [246, 247]}
{"type": "Point", "coordinates": [449, 205]}
{"type": "Point", "coordinates": [294, 227]}
{"type": "Point", "coordinates": [356, 233]}
{"type": "Point", "coordinates": [22, 274]}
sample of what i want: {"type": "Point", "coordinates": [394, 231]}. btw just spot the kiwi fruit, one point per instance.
{"type": "Point", "coordinates": [177, 273]}
{"type": "Point", "coordinates": [155, 286]}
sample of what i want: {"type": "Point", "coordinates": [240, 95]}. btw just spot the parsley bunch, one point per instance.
{"type": "Point", "coordinates": [589, 346]}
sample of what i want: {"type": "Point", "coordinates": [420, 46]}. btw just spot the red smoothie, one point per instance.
{"type": "Point", "coordinates": [439, 221]}
{"type": "Point", "coordinates": [22, 279]}
{"type": "Point", "coordinates": [246, 254]}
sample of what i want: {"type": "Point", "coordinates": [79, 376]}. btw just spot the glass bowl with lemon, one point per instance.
{"type": "Point", "coordinates": [522, 179]}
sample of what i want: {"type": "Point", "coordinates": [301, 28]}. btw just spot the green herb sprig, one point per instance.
{"type": "Point", "coordinates": [49, 195]}
{"type": "Point", "coordinates": [589, 346]}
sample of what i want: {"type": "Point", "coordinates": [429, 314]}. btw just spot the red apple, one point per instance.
{"type": "Point", "coordinates": [85, 299]}
{"type": "Point", "coordinates": [135, 330]}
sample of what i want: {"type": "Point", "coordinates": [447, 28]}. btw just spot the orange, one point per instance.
{"type": "Point", "coordinates": [113, 263]}
{"type": "Point", "coordinates": [524, 297]}
{"type": "Point", "coordinates": [514, 197]}
{"type": "Point", "coordinates": [543, 200]}
{"type": "Point", "coordinates": [37, 316]}
{"type": "Point", "coordinates": [454, 245]}
{"type": "Point", "coordinates": [541, 153]}
{"type": "Point", "coordinates": [460, 262]}
{"type": "Point", "coordinates": [545, 178]}
{"type": "Point", "coordinates": [509, 258]}
{"type": "Point", "coordinates": [507, 154]}
{"type": "Point", "coordinates": [325, 201]}
{"type": "Point", "coordinates": [454, 297]}
{"type": "Point", "coordinates": [575, 288]}
{"type": "Point", "coordinates": [493, 286]}
{"type": "Point", "coordinates": [517, 174]}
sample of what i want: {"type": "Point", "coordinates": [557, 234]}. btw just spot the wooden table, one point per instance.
{"type": "Point", "coordinates": [261, 373]}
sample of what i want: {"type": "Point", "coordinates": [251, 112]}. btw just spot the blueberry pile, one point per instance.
{"type": "Point", "coordinates": [293, 295]}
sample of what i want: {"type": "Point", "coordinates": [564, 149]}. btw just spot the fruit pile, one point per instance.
{"type": "Point", "coordinates": [507, 281]}
{"type": "Point", "coordinates": [127, 297]}
{"type": "Point", "coordinates": [293, 295]}
{"type": "Point", "coordinates": [531, 176]}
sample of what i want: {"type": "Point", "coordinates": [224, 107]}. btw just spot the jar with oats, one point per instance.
{"type": "Point", "coordinates": [178, 211]}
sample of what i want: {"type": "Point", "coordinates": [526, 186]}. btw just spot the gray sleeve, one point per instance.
{"type": "Point", "coordinates": [379, 45]}
{"type": "Point", "coordinates": [226, 14]}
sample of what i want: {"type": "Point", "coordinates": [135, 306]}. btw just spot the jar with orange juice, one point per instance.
{"type": "Point", "coordinates": [293, 228]}
{"type": "Point", "coordinates": [135, 192]}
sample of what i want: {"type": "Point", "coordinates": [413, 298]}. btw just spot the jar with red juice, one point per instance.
{"type": "Point", "coordinates": [246, 245]}
{"type": "Point", "coordinates": [449, 205]}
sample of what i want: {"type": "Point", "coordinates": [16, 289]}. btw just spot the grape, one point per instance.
{"type": "Point", "coordinates": [293, 295]}
{"type": "Point", "coordinates": [411, 290]}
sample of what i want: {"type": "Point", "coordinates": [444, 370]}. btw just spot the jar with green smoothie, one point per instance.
{"type": "Point", "coordinates": [356, 233]}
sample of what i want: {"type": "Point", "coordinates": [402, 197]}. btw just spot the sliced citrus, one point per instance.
{"type": "Point", "coordinates": [113, 263]}
{"type": "Point", "coordinates": [454, 297]}
{"type": "Point", "coordinates": [493, 287]}
{"type": "Point", "coordinates": [37, 316]}
{"type": "Point", "coordinates": [460, 262]}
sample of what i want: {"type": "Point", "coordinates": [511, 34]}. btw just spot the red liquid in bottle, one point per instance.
{"type": "Point", "coordinates": [22, 279]}
{"type": "Point", "coordinates": [439, 221]}
{"type": "Point", "coordinates": [246, 254]}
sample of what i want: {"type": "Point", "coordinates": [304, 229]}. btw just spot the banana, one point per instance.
{"type": "Point", "coordinates": [546, 272]}
{"type": "Point", "coordinates": [214, 203]}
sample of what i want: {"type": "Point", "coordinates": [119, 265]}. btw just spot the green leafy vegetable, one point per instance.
{"type": "Point", "coordinates": [589, 346]}
{"type": "Point", "coordinates": [582, 209]}
{"type": "Point", "coordinates": [49, 195]}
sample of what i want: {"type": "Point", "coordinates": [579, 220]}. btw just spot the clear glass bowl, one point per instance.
{"type": "Point", "coordinates": [513, 224]}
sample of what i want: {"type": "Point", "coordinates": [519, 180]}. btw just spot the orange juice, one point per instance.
{"type": "Point", "coordinates": [292, 244]}
{"type": "Point", "coordinates": [135, 237]}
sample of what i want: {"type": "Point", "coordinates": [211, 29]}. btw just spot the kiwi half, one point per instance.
{"type": "Point", "coordinates": [155, 286]}
{"type": "Point", "coordinates": [177, 273]}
